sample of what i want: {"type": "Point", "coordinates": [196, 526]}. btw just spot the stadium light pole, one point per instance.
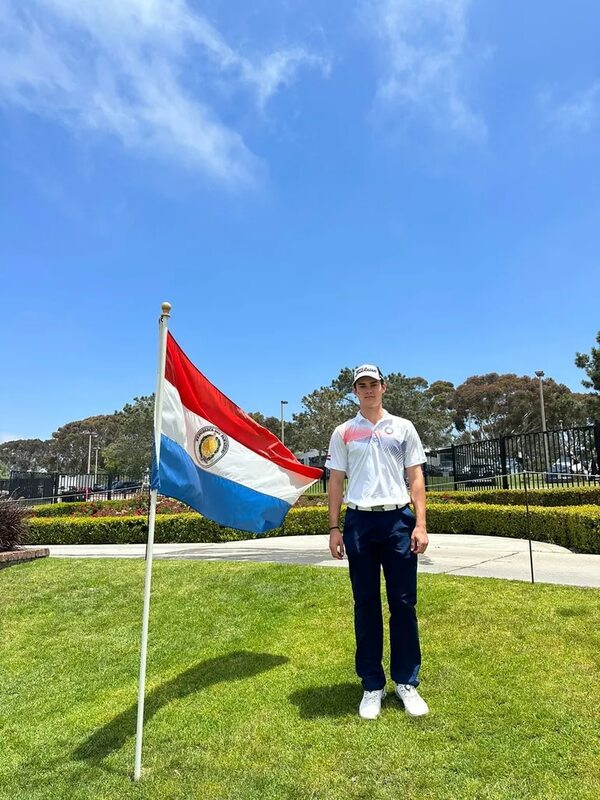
{"type": "Point", "coordinates": [540, 375]}
{"type": "Point", "coordinates": [283, 403]}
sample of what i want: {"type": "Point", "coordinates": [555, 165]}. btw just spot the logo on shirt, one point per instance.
{"type": "Point", "coordinates": [210, 445]}
{"type": "Point", "coordinates": [389, 430]}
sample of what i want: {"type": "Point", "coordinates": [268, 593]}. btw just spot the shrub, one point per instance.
{"type": "Point", "coordinates": [134, 506]}
{"type": "Point", "coordinates": [561, 496]}
{"type": "Point", "coordinates": [311, 500]}
{"type": "Point", "coordinates": [13, 524]}
{"type": "Point", "coordinates": [577, 527]}
{"type": "Point", "coordinates": [189, 527]}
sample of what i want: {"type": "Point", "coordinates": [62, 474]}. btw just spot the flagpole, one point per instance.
{"type": "Point", "coordinates": [158, 403]}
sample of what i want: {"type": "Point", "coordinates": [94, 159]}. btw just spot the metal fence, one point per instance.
{"type": "Point", "coordinates": [553, 458]}
{"type": "Point", "coordinates": [57, 487]}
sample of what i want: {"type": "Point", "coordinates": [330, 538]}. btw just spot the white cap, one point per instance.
{"type": "Point", "coordinates": [367, 371]}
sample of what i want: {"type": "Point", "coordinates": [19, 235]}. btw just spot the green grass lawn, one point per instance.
{"type": "Point", "coordinates": [252, 693]}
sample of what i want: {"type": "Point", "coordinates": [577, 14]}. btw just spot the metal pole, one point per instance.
{"type": "Point", "coordinates": [89, 469]}
{"type": "Point", "coordinates": [525, 485]}
{"type": "Point", "coordinates": [158, 403]}
{"type": "Point", "coordinates": [540, 375]}
{"type": "Point", "coordinates": [283, 403]}
{"type": "Point", "coordinates": [96, 466]}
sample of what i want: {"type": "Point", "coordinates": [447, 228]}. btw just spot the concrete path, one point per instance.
{"type": "Point", "coordinates": [452, 554]}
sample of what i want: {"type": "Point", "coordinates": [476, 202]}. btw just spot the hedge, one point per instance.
{"type": "Point", "coordinates": [137, 506]}
{"type": "Point", "coordinates": [189, 527]}
{"type": "Point", "coordinates": [561, 496]}
{"type": "Point", "coordinates": [128, 530]}
{"type": "Point", "coordinates": [574, 527]}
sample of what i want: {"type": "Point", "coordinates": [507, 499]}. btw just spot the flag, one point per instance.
{"type": "Point", "coordinates": [217, 459]}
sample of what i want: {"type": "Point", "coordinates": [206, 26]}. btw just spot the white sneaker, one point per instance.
{"type": "Point", "coordinates": [414, 705]}
{"type": "Point", "coordinates": [370, 705]}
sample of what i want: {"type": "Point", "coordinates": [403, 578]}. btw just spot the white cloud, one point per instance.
{"type": "Point", "coordinates": [579, 114]}
{"type": "Point", "coordinates": [141, 70]}
{"type": "Point", "coordinates": [423, 53]}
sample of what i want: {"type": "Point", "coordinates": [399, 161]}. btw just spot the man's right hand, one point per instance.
{"type": "Point", "coordinates": [336, 544]}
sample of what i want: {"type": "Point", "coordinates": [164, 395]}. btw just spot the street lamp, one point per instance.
{"type": "Point", "coordinates": [91, 435]}
{"type": "Point", "coordinates": [540, 375]}
{"type": "Point", "coordinates": [96, 449]}
{"type": "Point", "coordinates": [283, 403]}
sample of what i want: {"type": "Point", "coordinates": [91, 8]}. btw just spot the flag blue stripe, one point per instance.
{"type": "Point", "coordinates": [219, 499]}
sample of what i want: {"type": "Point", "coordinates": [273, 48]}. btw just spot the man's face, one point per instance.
{"type": "Point", "coordinates": [369, 392]}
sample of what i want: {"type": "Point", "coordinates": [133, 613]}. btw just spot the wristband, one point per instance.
{"type": "Point", "coordinates": [335, 527]}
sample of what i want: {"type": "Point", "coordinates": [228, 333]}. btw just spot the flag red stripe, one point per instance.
{"type": "Point", "coordinates": [201, 397]}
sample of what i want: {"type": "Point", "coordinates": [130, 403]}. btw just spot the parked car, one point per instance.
{"type": "Point", "coordinates": [126, 487]}
{"type": "Point", "coordinates": [479, 475]}
{"type": "Point", "coordinates": [433, 471]}
{"type": "Point", "coordinates": [567, 471]}
{"type": "Point", "coordinates": [72, 494]}
{"type": "Point", "coordinates": [513, 465]}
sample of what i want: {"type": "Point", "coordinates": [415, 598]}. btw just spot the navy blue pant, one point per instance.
{"type": "Point", "coordinates": [376, 539]}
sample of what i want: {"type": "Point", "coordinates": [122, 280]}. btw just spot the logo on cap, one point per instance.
{"type": "Point", "coordinates": [368, 370]}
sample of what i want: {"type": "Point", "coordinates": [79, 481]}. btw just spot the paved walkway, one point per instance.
{"type": "Point", "coordinates": [452, 554]}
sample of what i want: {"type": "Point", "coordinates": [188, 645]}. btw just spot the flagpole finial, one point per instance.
{"type": "Point", "coordinates": [166, 309]}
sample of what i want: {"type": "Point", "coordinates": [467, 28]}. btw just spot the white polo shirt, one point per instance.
{"type": "Point", "coordinates": [374, 457]}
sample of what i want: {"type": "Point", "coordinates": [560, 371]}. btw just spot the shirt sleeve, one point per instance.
{"type": "Point", "coordinates": [337, 455]}
{"type": "Point", "coordinates": [413, 449]}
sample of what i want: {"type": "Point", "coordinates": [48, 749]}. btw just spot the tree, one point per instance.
{"type": "Point", "coordinates": [413, 398]}
{"type": "Point", "coordinates": [131, 451]}
{"type": "Point", "coordinates": [426, 406]}
{"type": "Point", "coordinates": [493, 405]}
{"type": "Point", "coordinates": [69, 446]}
{"type": "Point", "coordinates": [442, 394]}
{"type": "Point", "coordinates": [324, 409]}
{"type": "Point", "coordinates": [591, 364]}
{"type": "Point", "coordinates": [25, 454]}
{"type": "Point", "coordinates": [274, 425]}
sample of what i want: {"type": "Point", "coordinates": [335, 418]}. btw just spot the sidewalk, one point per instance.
{"type": "Point", "coordinates": [451, 554]}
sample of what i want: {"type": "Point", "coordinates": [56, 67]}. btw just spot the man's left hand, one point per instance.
{"type": "Point", "coordinates": [419, 539]}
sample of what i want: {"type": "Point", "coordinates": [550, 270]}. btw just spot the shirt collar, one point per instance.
{"type": "Point", "coordinates": [364, 421]}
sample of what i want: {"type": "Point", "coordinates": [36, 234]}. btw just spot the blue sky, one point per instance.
{"type": "Point", "coordinates": [311, 185]}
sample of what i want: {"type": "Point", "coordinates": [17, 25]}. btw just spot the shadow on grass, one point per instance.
{"type": "Point", "coordinates": [342, 701]}
{"type": "Point", "coordinates": [327, 701]}
{"type": "Point", "coordinates": [573, 611]}
{"type": "Point", "coordinates": [233, 666]}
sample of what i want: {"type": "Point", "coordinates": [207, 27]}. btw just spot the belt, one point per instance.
{"type": "Point", "coordinates": [374, 508]}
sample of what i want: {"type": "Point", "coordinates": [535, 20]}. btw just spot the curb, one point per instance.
{"type": "Point", "coordinates": [10, 557]}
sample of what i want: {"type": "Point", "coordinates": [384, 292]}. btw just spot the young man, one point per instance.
{"type": "Point", "coordinates": [373, 450]}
